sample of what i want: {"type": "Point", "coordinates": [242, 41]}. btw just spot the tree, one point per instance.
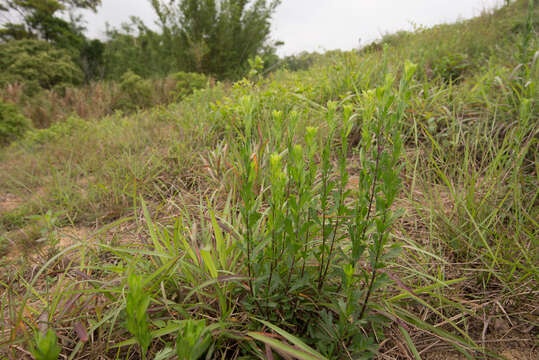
{"type": "Point", "coordinates": [137, 48]}
{"type": "Point", "coordinates": [216, 36]}
{"type": "Point", "coordinates": [41, 20]}
{"type": "Point", "coordinates": [37, 64]}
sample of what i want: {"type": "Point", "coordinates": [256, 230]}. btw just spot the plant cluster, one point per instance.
{"type": "Point", "coordinates": [314, 256]}
{"type": "Point", "coordinates": [13, 124]}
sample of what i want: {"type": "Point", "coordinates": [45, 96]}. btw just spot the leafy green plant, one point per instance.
{"type": "Point", "coordinates": [450, 68]}
{"type": "Point", "coordinates": [187, 83]}
{"type": "Point", "coordinates": [39, 63]}
{"type": "Point", "coordinates": [13, 124]}
{"type": "Point", "coordinates": [46, 346]}
{"type": "Point", "coordinates": [193, 340]}
{"type": "Point", "coordinates": [47, 225]}
{"type": "Point", "coordinates": [311, 240]}
{"type": "Point", "coordinates": [55, 131]}
{"type": "Point", "coordinates": [136, 92]}
{"type": "Point", "coordinates": [256, 65]}
{"type": "Point", "coordinates": [136, 307]}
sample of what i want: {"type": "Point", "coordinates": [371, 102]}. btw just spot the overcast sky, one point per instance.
{"type": "Point", "coordinates": [317, 25]}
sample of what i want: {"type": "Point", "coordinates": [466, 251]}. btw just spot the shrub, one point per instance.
{"type": "Point", "coordinates": [12, 123]}
{"type": "Point", "coordinates": [55, 131]}
{"type": "Point", "coordinates": [37, 64]}
{"type": "Point", "coordinates": [136, 92]}
{"type": "Point", "coordinates": [451, 67]}
{"type": "Point", "coordinates": [301, 61]}
{"type": "Point", "coordinates": [188, 82]}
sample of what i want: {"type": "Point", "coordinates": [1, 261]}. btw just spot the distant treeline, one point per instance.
{"type": "Point", "coordinates": [43, 45]}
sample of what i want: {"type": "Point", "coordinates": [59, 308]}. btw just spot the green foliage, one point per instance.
{"type": "Point", "coordinates": [45, 20]}
{"type": "Point", "coordinates": [37, 64]}
{"type": "Point", "coordinates": [46, 346]}
{"type": "Point", "coordinates": [301, 61]}
{"type": "Point", "coordinates": [38, 19]}
{"type": "Point", "coordinates": [13, 124]}
{"type": "Point", "coordinates": [47, 225]}
{"type": "Point", "coordinates": [55, 131]}
{"type": "Point", "coordinates": [136, 310]}
{"type": "Point", "coordinates": [137, 48]}
{"type": "Point", "coordinates": [136, 92]}
{"type": "Point", "coordinates": [193, 340]}
{"type": "Point", "coordinates": [256, 66]}
{"type": "Point", "coordinates": [308, 217]}
{"type": "Point", "coordinates": [451, 68]}
{"type": "Point", "coordinates": [187, 83]}
{"type": "Point", "coordinates": [4, 246]}
{"type": "Point", "coordinates": [213, 37]}
{"type": "Point", "coordinates": [92, 60]}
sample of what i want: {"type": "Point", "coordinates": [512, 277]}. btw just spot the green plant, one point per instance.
{"type": "Point", "coordinates": [46, 346]}
{"type": "Point", "coordinates": [47, 225]}
{"type": "Point", "coordinates": [4, 246]}
{"type": "Point", "coordinates": [193, 340]}
{"type": "Point", "coordinates": [56, 131]}
{"type": "Point", "coordinates": [136, 307]}
{"type": "Point", "coordinates": [450, 68]}
{"type": "Point", "coordinates": [37, 63]}
{"type": "Point", "coordinates": [256, 65]}
{"type": "Point", "coordinates": [136, 92]}
{"type": "Point", "coordinates": [187, 83]}
{"type": "Point", "coordinates": [308, 217]}
{"type": "Point", "coordinates": [13, 124]}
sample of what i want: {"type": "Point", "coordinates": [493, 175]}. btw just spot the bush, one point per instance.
{"type": "Point", "coordinates": [55, 131]}
{"type": "Point", "coordinates": [12, 123]}
{"type": "Point", "coordinates": [136, 92]}
{"type": "Point", "coordinates": [37, 64]}
{"type": "Point", "coordinates": [450, 68]}
{"type": "Point", "coordinates": [188, 82]}
{"type": "Point", "coordinates": [301, 61]}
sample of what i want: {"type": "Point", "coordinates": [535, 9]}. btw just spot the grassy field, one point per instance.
{"type": "Point", "coordinates": [381, 204]}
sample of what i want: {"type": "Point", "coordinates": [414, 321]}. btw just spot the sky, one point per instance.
{"type": "Point", "coordinates": [319, 25]}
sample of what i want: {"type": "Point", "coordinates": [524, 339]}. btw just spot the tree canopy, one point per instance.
{"type": "Point", "coordinates": [37, 64]}
{"type": "Point", "coordinates": [40, 19]}
{"type": "Point", "coordinates": [216, 36]}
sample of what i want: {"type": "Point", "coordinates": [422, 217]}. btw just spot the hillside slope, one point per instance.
{"type": "Point", "coordinates": [426, 141]}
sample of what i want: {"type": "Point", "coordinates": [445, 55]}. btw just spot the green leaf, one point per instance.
{"type": "Point", "coordinates": [283, 347]}
{"type": "Point", "coordinates": [46, 346]}
{"type": "Point", "coordinates": [210, 264]}
{"type": "Point", "coordinates": [294, 340]}
{"type": "Point", "coordinates": [410, 343]}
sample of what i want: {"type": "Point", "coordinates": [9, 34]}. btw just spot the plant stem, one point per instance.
{"type": "Point", "coordinates": [373, 276]}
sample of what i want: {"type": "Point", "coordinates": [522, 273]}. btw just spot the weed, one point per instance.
{"type": "Point", "coordinates": [193, 340]}
{"type": "Point", "coordinates": [12, 123]}
{"type": "Point", "coordinates": [46, 346]}
{"type": "Point", "coordinates": [136, 305]}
